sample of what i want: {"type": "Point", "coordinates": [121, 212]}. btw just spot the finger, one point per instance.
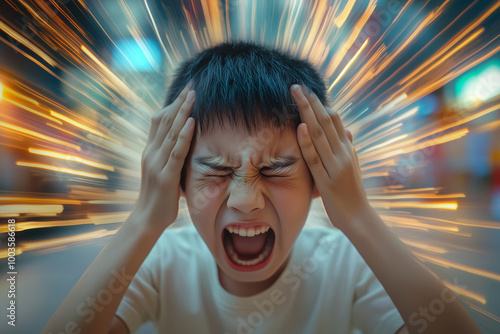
{"type": "Point", "coordinates": [349, 135]}
{"type": "Point", "coordinates": [179, 122]}
{"type": "Point", "coordinates": [156, 119]}
{"type": "Point", "coordinates": [324, 118]}
{"type": "Point", "coordinates": [178, 154]}
{"type": "Point", "coordinates": [169, 114]}
{"type": "Point", "coordinates": [316, 131]}
{"type": "Point", "coordinates": [311, 156]}
{"type": "Point", "coordinates": [337, 122]}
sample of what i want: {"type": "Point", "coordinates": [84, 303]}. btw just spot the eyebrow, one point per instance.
{"type": "Point", "coordinates": [205, 161]}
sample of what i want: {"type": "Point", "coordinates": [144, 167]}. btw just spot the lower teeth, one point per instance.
{"type": "Point", "coordinates": [234, 256]}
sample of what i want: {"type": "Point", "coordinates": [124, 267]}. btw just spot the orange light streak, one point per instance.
{"type": "Point", "coordinates": [450, 264]}
{"type": "Point", "coordinates": [38, 135]}
{"type": "Point", "coordinates": [62, 170]}
{"type": "Point", "coordinates": [70, 158]}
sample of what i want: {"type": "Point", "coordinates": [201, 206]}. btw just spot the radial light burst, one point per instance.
{"type": "Point", "coordinates": [83, 136]}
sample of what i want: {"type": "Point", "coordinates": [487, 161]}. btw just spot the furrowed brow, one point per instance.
{"type": "Point", "coordinates": [278, 162]}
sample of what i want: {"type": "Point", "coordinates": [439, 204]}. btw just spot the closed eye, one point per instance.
{"type": "Point", "coordinates": [282, 171]}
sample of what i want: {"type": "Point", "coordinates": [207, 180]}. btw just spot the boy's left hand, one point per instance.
{"type": "Point", "coordinates": [328, 151]}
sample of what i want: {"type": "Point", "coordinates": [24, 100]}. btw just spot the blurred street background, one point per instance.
{"type": "Point", "coordinates": [417, 83]}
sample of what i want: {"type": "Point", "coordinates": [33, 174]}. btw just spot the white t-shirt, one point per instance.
{"type": "Point", "coordinates": [325, 288]}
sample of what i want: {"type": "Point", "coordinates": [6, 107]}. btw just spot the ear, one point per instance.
{"type": "Point", "coordinates": [315, 192]}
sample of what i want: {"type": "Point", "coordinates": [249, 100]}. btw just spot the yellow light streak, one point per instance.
{"type": "Point", "coordinates": [342, 17]}
{"type": "Point", "coordinates": [404, 196]}
{"type": "Point", "coordinates": [24, 41]}
{"type": "Point", "coordinates": [38, 135]}
{"type": "Point", "coordinates": [75, 123]}
{"type": "Point", "coordinates": [36, 245]}
{"type": "Point", "coordinates": [348, 65]}
{"type": "Point", "coordinates": [70, 158]}
{"type": "Point", "coordinates": [40, 200]}
{"type": "Point", "coordinates": [420, 205]}
{"type": "Point", "coordinates": [31, 110]}
{"type": "Point", "coordinates": [39, 209]}
{"type": "Point", "coordinates": [4, 253]}
{"type": "Point", "coordinates": [466, 293]}
{"type": "Point", "coordinates": [450, 264]}
{"type": "Point", "coordinates": [61, 170]}
{"type": "Point", "coordinates": [424, 246]}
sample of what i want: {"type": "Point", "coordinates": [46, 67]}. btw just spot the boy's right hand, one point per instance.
{"type": "Point", "coordinates": [162, 160]}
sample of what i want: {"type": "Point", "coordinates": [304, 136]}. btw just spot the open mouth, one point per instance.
{"type": "Point", "coordinates": [248, 248]}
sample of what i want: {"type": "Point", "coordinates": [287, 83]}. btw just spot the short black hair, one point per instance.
{"type": "Point", "coordinates": [245, 83]}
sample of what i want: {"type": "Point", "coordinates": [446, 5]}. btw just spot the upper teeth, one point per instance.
{"type": "Point", "coordinates": [247, 232]}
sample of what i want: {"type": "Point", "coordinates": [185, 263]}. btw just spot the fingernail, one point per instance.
{"type": "Point", "coordinates": [304, 130]}
{"type": "Point", "coordinates": [295, 88]}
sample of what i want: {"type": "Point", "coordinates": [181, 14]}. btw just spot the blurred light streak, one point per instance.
{"type": "Point", "coordinates": [38, 135]}
{"type": "Point", "coordinates": [423, 205]}
{"type": "Point", "coordinates": [70, 158]}
{"type": "Point", "coordinates": [450, 264]}
{"type": "Point", "coordinates": [466, 293]}
{"type": "Point", "coordinates": [40, 209]}
{"type": "Point", "coordinates": [371, 80]}
{"type": "Point", "coordinates": [424, 246]}
{"type": "Point", "coordinates": [40, 200]}
{"type": "Point", "coordinates": [52, 119]}
{"type": "Point", "coordinates": [410, 223]}
{"type": "Point", "coordinates": [5, 254]}
{"type": "Point", "coordinates": [25, 42]}
{"type": "Point", "coordinates": [403, 196]}
{"type": "Point", "coordinates": [75, 123]}
{"type": "Point", "coordinates": [484, 312]}
{"type": "Point", "coordinates": [61, 170]}
{"type": "Point", "coordinates": [36, 245]}
{"type": "Point", "coordinates": [342, 17]}
{"type": "Point", "coordinates": [347, 66]}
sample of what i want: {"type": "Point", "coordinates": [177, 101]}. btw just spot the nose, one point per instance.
{"type": "Point", "coordinates": [246, 197]}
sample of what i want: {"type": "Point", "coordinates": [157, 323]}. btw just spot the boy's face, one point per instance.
{"type": "Point", "coordinates": [231, 183]}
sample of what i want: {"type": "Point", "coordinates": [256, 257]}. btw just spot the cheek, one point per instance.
{"type": "Point", "coordinates": [202, 195]}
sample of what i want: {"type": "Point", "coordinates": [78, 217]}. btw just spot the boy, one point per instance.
{"type": "Point", "coordinates": [264, 148]}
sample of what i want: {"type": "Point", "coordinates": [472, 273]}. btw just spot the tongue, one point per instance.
{"type": "Point", "coordinates": [249, 245]}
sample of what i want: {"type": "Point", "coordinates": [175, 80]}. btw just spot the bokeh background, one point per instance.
{"type": "Point", "coordinates": [416, 82]}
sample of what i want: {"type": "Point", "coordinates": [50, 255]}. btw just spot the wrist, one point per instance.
{"type": "Point", "coordinates": [363, 224]}
{"type": "Point", "coordinates": [144, 224]}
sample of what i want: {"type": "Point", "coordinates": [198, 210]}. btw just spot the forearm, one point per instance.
{"type": "Point", "coordinates": [91, 304]}
{"type": "Point", "coordinates": [411, 286]}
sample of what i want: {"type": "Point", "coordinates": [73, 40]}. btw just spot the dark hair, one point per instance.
{"type": "Point", "coordinates": [245, 83]}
